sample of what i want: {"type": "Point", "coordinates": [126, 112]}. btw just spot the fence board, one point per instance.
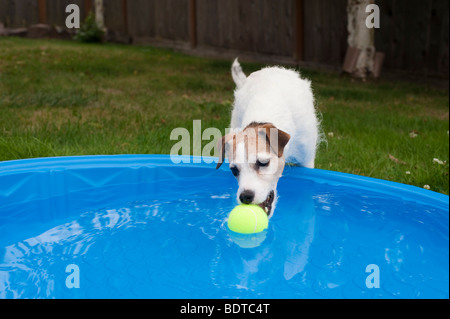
{"type": "Point", "coordinates": [160, 19]}
{"type": "Point", "coordinates": [16, 14]}
{"type": "Point", "coordinates": [325, 31]}
{"type": "Point", "coordinates": [413, 33]}
{"type": "Point", "coordinates": [139, 14]}
{"type": "Point", "coordinates": [114, 14]}
{"type": "Point", "coordinates": [262, 26]}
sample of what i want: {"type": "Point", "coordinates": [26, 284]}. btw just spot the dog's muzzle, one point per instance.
{"type": "Point", "coordinates": [267, 204]}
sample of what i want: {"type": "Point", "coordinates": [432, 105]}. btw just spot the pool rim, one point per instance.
{"type": "Point", "coordinates": [61, 163]}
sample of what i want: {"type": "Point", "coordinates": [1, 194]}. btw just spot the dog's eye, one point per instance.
{"type": "Point", "coordinates": [234, 170]}
{"type": "Point", "coordinates": [262, 164]}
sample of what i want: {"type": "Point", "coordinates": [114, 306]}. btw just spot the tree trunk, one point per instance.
{"type": "Point", "coordinates": [360, 37]}
{"type": "Point", "coordinates": [99, 16]}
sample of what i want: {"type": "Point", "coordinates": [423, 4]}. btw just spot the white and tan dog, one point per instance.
{"type": "Point", "coordinates": [273, 122]}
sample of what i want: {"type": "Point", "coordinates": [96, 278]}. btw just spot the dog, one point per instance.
{"type": "Point", "coordinates": [273, 122]}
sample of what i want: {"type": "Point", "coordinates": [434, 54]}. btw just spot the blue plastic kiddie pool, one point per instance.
{"type": "Point", "coordinates": [140, 226]}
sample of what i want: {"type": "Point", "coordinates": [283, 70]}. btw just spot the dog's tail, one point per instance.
{"type": "Point", "coordinates": [237, 74]}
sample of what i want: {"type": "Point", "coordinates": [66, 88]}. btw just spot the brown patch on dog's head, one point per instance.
{"type": "Point", "coordinates": [221, 145]}
{"type": "Point", "coordinates": [221, 149]}
{"type": "Point", "coordinates": [274, 140]}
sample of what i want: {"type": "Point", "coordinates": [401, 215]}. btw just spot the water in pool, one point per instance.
{"type": "Point", "coordinates": [170, 240]}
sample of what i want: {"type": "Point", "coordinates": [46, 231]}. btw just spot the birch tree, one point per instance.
{"type": "Point", "coordinates": [99, 15]}
{"type": "Point", "coordinates": [361, 37]}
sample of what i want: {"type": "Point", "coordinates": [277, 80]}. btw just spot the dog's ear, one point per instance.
{"type": "Point", "coordinates": [276, 138]}
{"type": "Point", "coordinates": [221, 148]}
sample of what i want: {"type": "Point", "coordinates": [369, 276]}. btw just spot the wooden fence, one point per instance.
{"type": "Point", "coordinates": [413, 33]}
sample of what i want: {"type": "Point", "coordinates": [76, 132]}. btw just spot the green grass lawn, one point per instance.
{"type": "Point", "coordinates": [66, 98]}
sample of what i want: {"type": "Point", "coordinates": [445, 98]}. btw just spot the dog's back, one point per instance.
{"type": "Point", "coordinates": [279, 96]}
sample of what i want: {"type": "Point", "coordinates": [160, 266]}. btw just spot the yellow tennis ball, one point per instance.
{"type": "Point", "coordinates": [247, 219]}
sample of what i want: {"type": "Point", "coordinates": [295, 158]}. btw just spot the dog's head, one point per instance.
{"type": "Point", "coordinates": [256, 159]}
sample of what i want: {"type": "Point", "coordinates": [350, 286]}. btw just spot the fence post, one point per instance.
{"type": "Point", "coordinates": [87, 6]}
{"type": "Point", "coordinates": [125, 15]}
{"type": "Point", "coordinates": [193, 23]}
{"type": "Point", "coordinates": [42, 8]}
{"type": "Point", "coordinates": [298, 30]}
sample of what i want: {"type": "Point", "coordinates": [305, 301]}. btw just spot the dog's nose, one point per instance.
{"type": "Point", "coordinates": [247, 196]}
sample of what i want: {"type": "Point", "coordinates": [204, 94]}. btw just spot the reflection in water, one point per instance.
{"type": "Point", "coordinates": [32, 259]}
{"type": "Point", "coordinates": [318, 244]}
{"type": "Point", "coordinates": [269, 254]}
